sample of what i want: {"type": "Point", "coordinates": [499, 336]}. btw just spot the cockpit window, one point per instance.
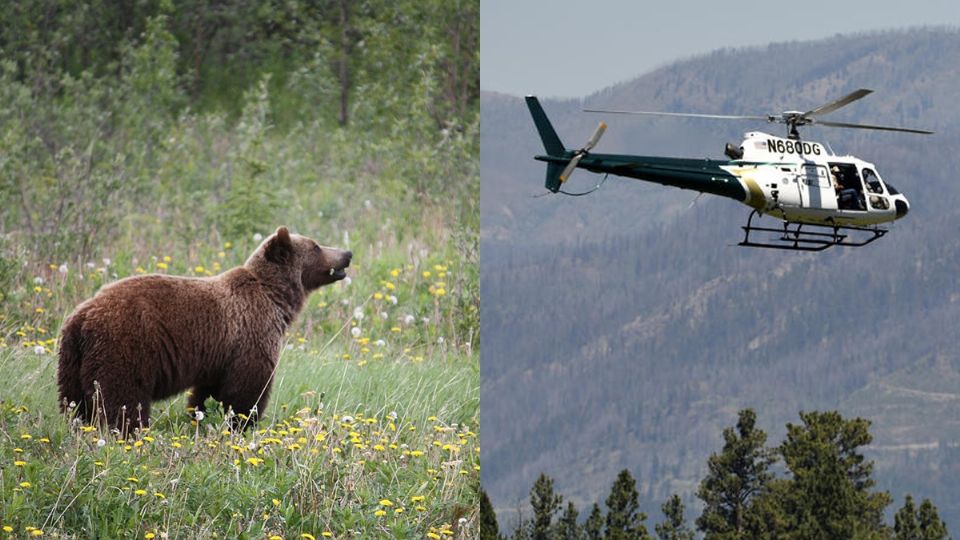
{"type": "Point", "coordinates": [891, 189]}
{"type": "Point", "coordinates": [872, 182]}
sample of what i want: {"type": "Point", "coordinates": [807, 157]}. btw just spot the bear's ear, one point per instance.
{"type": "Point", "coordinates": [279, 248]}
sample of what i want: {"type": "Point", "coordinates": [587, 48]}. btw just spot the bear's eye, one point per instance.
{"type": "Point", "coordinates": [316, 248]}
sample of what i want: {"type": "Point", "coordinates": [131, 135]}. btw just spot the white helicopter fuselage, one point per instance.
{"type": "Point", "coordinates": [803, 181]}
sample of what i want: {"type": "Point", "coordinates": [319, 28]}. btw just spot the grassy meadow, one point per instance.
{"type": "Point", "coordinates": [372, 429]}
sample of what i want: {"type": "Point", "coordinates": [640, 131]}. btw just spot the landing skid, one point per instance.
{"type": "Point", "coordinates": [793, 235]}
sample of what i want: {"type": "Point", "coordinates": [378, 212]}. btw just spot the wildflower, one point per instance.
{"type": "Point", "coordinates": [38, 280]}
{"type": "Point", "coordinates": [358, 313]}
{"type": "Point", "coordinates": [257, 237]}
{"type": "Point", "coordinates": [346, 281]}
{"type": "Point", "coordinates": [36, 532]}
{"type": "Point", "coordinates": [417, 498]}
{"type": "Point", "coordinates": [166, 258]}
{"type": "Point", "coordinates": [386, 502]}
{"type": "Point", "coordinates": [62, 269]}
{"type": "Point", "coordinates": [276, 502]}
{"type": "Point", "coordinates": [326, 534]}
{"type": "Point", "coordinates": [276, 537]}
{"type": "Point", "coordinates": [162, 265]}
{"type": "Point", "coordinates": [380, 513]}
{"type": "Point", "coordinates": [379, 343]}
{"type": "Point", "coordinates": [26, 485]}
{"type": "Point", "coordinates": [26, 436]}
{"type": "Point", "coordinates": [149, 535]}
{"type": "Point", "coordinates": [198, 415]}
{"type": "Point", "coordinates": [140, 270]}
{"type": "Point", "coordinates": [355, 331]}
{"type": "Point", "coordinates": [140, 492]}
{"type": "Point", "coordinates": [255, 461]}
{"type": "Point", "coordinates": [433, 535]}
{"type": "Point", "coordinates": [7, 529]}
{"type": "Point", "coordinates": [159, 495]}
{"type": "Point", "coordinates": [39, 350]}
{"type": "Point", "coordinates": [199, 269]}
{"type": "Point", "coordinates": [307, 536]}
{"type": "Point", "coordinates": [19, 463]}
{"type": "Point", "coordinates": [408, 320]}
{"type": "Point", "coordinates": [227, 245]}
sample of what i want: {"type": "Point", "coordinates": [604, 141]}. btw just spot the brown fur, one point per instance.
{"type": "Point", "coordinates": [146, 338]}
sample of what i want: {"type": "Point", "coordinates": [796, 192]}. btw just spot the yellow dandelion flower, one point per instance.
{"type": "Point", "coordinates": [199, 269]}
{"type": "Point", "coordinates": [378, 296]}
{"type": "Point", "coordinates": [426, 273]}
{"type": "Point", "coordinates": [140, 492]}
{"type": "Point", "coordinates": [159, 495]}
{"type": "Point", "coordinates": [133, 479]}
{"type": "Point", "coordinates": [446, 532]}
{"type": "Point", "coordinates": [421, 509]}
{"type": "Point", "coordinates": [254, 461]}
{"type": "Point", "coordinates": [380, 513]}
{"type": "Point", "coordinates": [386, 502]}
{"type": "Point", "coordinates": [327, 534]}
{"type": "Point", "coordinates": [37, 289]}
{"type": "Point", "coordinates": [39, 310]}
{"type": "Point", "coordinates": [308, 536]}
{"type": "Point", "coordinates": [433, 535]}
{"type": "Point", "coordinates": [276, 502]}
{"type": "Point", "coordinates": [390, 286]}
{"type": "Point", "coordinates": [398, 511]}
{"type": "Point", "coordinates": [417, 498]}
{"type": "Point", "coordinates": [7, 528]}
{"type": "Point", "coordinates": [26, 436]}
{"type": "Point", "coordinates": [162, 265]}
{"type": "Point", "coordinates": [227, 245]}
{"type": "Point", "coordinates": [149, 535]}
{"type": "Point", "coordinates": [395, 329]}
{"type": "Point", "coordinates": [140, 270]}
{"type": "Point", "coordinates": [440, 292]}
{"type": "Point", "coordinates": [36, 532]}
{"type": "Point", "coordinates": [19, 463]}
{"type": "Point", "coordinates": [394, 273]}
{"type": "Point", "coordinates": [166, 258]}
{"type": "Point", "coordinates": [276, 537]}
{"type": "Point", "coordinates": [26, 485]}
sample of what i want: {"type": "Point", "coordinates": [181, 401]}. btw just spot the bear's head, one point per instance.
{"type": "Point", "coordinates": [295, 260]}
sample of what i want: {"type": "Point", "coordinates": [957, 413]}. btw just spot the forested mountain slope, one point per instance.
{"type": "Point", "coordinates": [624, 329]}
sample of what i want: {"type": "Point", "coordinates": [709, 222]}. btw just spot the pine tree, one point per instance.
{"type": "Point", "coordinates": [829, 494]}
{"type": "Point", "coordinates": [674, 527]}
{"type": "Point", "coordinates": [905, 526]}
{"type": "Point", "coordinates": [489, 528]}
{"type": "Point", "coordinates": [545, 504]}
{"type": "Point", "coordinates": [735, 476]}
{"type": "Point", "coordinates": [909, 523]}
{"type": "Point", "coordinates": [624, 519]}
{"type": "Point", "coordinates": [569, 528]}
{"type": "Point", "coordinates": [594, 524]}
{"type": "Point", "coordinates": [931, 526]}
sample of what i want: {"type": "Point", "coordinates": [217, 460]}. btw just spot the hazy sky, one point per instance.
{"type": "Point", "coordinates": [572, 48]}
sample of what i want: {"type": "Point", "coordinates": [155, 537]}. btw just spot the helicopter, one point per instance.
{"type": "Point", "coordinates": [822, 199]}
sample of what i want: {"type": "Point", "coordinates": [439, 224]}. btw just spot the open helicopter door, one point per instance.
{"type": "Point", "coordinates": [816, 187]}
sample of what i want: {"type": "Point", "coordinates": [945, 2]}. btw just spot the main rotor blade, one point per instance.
{"type": "Point", "coordinates": [868, 126]}
{"type": "Point", "coordinates": [687, 115]}
{"type": "Point", "coordinates": [836, 104]}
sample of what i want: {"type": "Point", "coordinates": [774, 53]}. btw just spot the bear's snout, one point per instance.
{"type": "Point", "coordinates": [338, 270]}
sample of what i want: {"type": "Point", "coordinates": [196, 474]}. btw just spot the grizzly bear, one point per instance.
{"type": "Point", "coordinates": [146, 338]}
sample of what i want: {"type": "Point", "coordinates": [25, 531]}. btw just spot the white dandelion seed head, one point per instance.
{"type": "Point", "coordinates": [101, 443]}
{"type": "Point", "coordinates": [38, 280]}
{"type": "Point", "coordinates": [347, 419]}
{"type": "Point", "coordinates": [358, 313]}
{"type": "Point", "coordinates": [289, 346]}
{"type": "Point", "coordinates": [198, 415]}
{"type": "Point", "coordinates": [252, 445]}
{"type": "Point", "coordinates": [346, 281]}
{"type": "Point", "coordinates": [379, 343]}
{"type": "Point", "coordinates": [462, 521]}
{"type": "Point", "coordinates": [426, 320]}
{"type": "Point", "coordinates": [393, 415]}
{"type": "Point", "coordinates": [383, 315]}
{"type": "Point", "coordinates": [106, 261]}
{"type": "Point", "coordinates": [367, 204]}
{"type": "Point", "coordinates": [440, 340]}
{"type": "Point", "coordinates": [257, 237]}
{"type": "Point", "coordinates": [63, 268]}
{"type": "Point", "coordinates": [38, 349]}
{"type": "Point", "coordinates": [72, 405]}
{"type": "Point", "coordinates": [355, 331]}
{"type": "Point", "coordinates": [392, 299]}
{"type": "Point", "coordinates": [91, 265]}
{"type": "Point", "coordinates": [408, 319]}
{"type": "Point", "coordinates": [404, 446]}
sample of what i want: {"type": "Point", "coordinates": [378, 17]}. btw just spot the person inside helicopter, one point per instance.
{"type": "Point", "coordinates": [875, 187]}
{"type": "Point", "coordinates": [847, 184]}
